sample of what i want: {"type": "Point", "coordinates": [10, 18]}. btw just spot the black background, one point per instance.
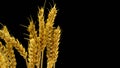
{"type": "Point", "coordinates": [85, 28]}
{"type": "Point", "coordinates": [13, 13]}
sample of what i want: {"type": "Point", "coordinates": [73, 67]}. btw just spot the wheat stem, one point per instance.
{"type": "Point", "coordinates": [42, 56]}
{"type": "Point", "coordinates": [54, 65]}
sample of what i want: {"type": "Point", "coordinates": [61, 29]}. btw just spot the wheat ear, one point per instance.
{"type": "Point", "coordinates": [32, 46]}
{"type": "Point", "coordinates": [49, 25]}
{"type": "Point", "coordinates": [42, 36]}
{"type": "Point", "coordinates": [52, 50]}
{"type": "Point", "coordinates": [50, 34]}
{"type": "Point", "coordinates": [56, 39]}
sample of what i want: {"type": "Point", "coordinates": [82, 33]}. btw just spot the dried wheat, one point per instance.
{"type": "Point", "coordinates": [48, 37]}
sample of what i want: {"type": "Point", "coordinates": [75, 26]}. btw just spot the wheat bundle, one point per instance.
{"type": "Point", "coordinates": [46, 37]}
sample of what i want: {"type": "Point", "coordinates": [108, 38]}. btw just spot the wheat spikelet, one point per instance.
{"type": "Point", "coordinates": [4, 63]}
{"type": "Point", "coordinates": [52, 50]}
{"type": "Point", "coordinates": [11, 55]}
{"type": "Point", "coordinates": [4, 34]}
{"type": "Point", "coordinates": [5, 30]}
{"type": "Point", "coordinates": [31, 30]}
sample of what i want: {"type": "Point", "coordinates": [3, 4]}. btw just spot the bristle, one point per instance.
{"type": "Point", "coordinates": [23, 26]}
{"type": "Point", "coordinates": [1, 24]}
